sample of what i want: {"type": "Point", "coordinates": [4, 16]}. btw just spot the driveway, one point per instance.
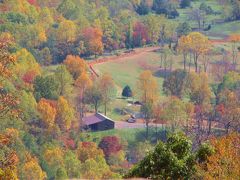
{"type": "Point", "coordinates": [126, 125]}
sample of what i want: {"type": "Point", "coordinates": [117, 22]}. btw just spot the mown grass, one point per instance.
{"type": "Point", "coordinates": [131, 136]}
{"type": "Point", "coordinates": [184, 13]}
{"type": "Point", "coordinates": [225, 29]}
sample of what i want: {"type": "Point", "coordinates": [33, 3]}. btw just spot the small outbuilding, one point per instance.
{"type": "Point", "coordinates": [98, 122]}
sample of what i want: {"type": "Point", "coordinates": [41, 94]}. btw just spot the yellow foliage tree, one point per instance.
{"type": "Point", "coordinates": [65, 113]}
{"type": "Point", "coordinates": [9, 160]}
{"type": "Point", "coordinates": [47, 113]}
{"type": "Point", "coordinates": [32, 170]}
{"type": "Point", "coordinates": [83, 83]}
{"type": "Point", "coordinates": [66, 31]}
{"type": "Point", "coordinates": [54, 156]}
{"type": "Point", "coordinates": [106, 86]}
{"type": "Point", "coordinates": [234, 39]}
{"type": "Point", "coordinates": [200, 92]}
{"type": "Point", "coordinates": [147, 86]}
{"type": "Point", "coordinates": [25, 63]}
{"type": "Point", "coordinates": [199, 44]}
{"type": "Point", "coordinates": [184, 47]}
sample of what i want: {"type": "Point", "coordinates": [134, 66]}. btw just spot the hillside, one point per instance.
{"type": "Point", "coordinates": [109, 89]}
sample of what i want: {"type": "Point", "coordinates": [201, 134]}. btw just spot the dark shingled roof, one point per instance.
{"type": "Point", "coordinates": [93, 119]}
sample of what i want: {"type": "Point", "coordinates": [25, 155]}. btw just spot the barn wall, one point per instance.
{"type": "Point", "coordinates": [101, 126]}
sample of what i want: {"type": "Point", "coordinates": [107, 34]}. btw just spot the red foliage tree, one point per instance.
{"type": "Point", "coordinates": [110, 145]}
{"type": "Point", "coordinates": [140, 35]}
{"type": "Point", "coordinates": [33, 2]}
{"type": "Point", "coordinates": [29, 77]}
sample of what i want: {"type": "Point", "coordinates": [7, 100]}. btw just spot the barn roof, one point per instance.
{"type": "Point", "coordinates": [96, 118]}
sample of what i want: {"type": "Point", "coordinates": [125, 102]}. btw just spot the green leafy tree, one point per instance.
{"type": "Point", "coordinates": [174, 112]}
{"type": "Point", "coordinates": [67, 8]}
{"type": "Point", "coordinates": [72, 164]}
{"type": "Point", "coordinates": [183, 29]}
{"type": "Point", "coordinates": [94, 96]}
{"type": "Point", "coordinates": [199, 89]}
{"type": "Point", "coordinates": [172, 160]}
{"type": "Point", "coordinates": [28, 105]}
{"type": "Point", "coordinates": [65, 80]}
{"type": "Point", "coordinates": [147, 111]}
{"type": "Point", "coordinates": [231, 81]}
{"type": "Point", "coordinates": [45, 87]}
{"type": "Point", "coordinates": [61, 174]}
{"type": "Point", "coordinates": [175, 83]}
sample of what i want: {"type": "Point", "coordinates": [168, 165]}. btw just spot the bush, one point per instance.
{"type": "Point", "coordinates": [185, 3]}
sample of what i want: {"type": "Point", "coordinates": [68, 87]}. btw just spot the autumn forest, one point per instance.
{"type": "Point", "coordinates": [119, 89]}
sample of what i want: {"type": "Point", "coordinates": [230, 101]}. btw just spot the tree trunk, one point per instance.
{"type": "Point", "coordinates": [96, 108]}
{"type": "Point", "coordinates": [196, 63]}
{"type": "Point", "coordinates": [161, 65]}
{"type": "Point", "coordinates": [190, 61]}
{"type": "Point", "coordinates": [165, 72]}
{"type": "Point", "coordinates": [227, 127]}
{"type": "Point", "coordinates": [184, 61]}
{"type": "Point", "coordinates": [205, 68]}
{"type": "Point", "coordinates": [210, 125]}
{"type": "Point", "coordinates": [199, 24]}
{"type": "Point", "coordinates": [105, 109]}
{"type": "Point", "coordinates": [147, 128]}
{"type": "Point", "coordinates": [156, 132]}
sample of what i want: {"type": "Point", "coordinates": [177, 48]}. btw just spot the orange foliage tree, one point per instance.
{"type": "Point", "coordinates": [93, 40]}
{"type": "Point", "coordinates": [47, 113]}
{"type": "Point", "coordinates": [88, 150]}
{"type": "Point", "coordinates": [234, 39]}
{"type": "Point", "coordinates": [75, 65]}
{"type": "Point", "coordinates": [224, 163]}
{"type": "Point", "coordinates": [229, 109]}
{"type": "Point", "coordinates": [8, 102]}
{"type": "Point", "coordinates": [6, 59]}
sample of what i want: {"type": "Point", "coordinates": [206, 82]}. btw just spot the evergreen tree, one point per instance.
{"type": "Point", "coordinates": [127, 92]}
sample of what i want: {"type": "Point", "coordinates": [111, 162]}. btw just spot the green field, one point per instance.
{"type": "Point", "coordinates": [131, 136]}
{"type": "Point", "coordinates": [126, 70]}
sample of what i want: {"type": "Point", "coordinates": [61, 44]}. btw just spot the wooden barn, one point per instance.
{"type": "Point", "coordinates": [98, 122]}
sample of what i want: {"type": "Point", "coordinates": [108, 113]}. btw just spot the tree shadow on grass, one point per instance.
{"type": "Point", "coordinates": [155, 134]}
{"type": "Point", "coordinates": [161, 73]}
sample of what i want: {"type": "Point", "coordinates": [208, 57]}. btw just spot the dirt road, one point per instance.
{"type": "Point", "coordinates": [135, 52]}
